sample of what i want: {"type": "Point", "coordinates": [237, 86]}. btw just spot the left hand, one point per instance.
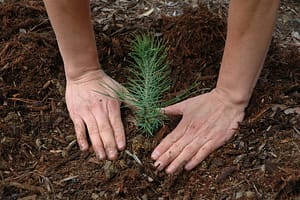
{"type": "Point", "coordinates": [208, 121]}
{"type": "Point", "coordinates": [94, 106]}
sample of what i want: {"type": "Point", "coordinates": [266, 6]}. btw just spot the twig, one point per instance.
{"type": "Point", "coordinates": [296, 130]}
{"type": "Point", "coordinates": [38, 108]}
{"type": "Point", "coordinates": [296, 145]}
{"type": "Point", "coordinates": [24, 186]}
{"type": "Point", "coordinates": [259, 114]}
{"type": "Point", "coordinates": [254, 186]}
{"type": "Point", "coordinates": [48, 183]}
{"type": "Point", "coordinates": [33, 105]}
{"type": "Point", "coordinates": [69, 178]}
{"type": "Point", "coordinates": [51, 169]}
{"type": "Point", "coordinates": [208, 77]}
{"type": "Point", "coordinates": [29, 101]}
{"type": "Point", "coordinates": [36, 26]}
{"type": "Point", "coordinates": [71, 144]}
{"type": "Point", "coordinates": [6, 66]}
{"type": "Point", "coordinates": [233, 186]}
{"type": "Point", "coordinates": [134, 157]}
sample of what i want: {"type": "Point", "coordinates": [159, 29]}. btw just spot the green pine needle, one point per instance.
{"type": "Point", "coordinates": [150, 80]}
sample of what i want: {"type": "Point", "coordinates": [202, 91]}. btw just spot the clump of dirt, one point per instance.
{"type": "Point", "coordinates": [190, 35]}
{"type": "Point", "coordinates": [29, 17]}
{"type": "Point", "coordinates": [28, 51]}
{"type": "Point", "coordinates": [196, 41]}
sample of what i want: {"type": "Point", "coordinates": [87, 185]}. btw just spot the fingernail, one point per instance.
{"type": "Point", "coordinates": [112, 154]}
{"type": "Point", "coordinates": [155, 155]}
{"type": "Point", "coordinates": [158, 165]}
{"type": "Point", "coordinates": [188, 167]}
{"type": "Point", "coordinates": [171, 169]}
{"type": "Point", "coordinates": [121, 145]}
{"type": "Point", "coordinates": [101, 156]}
{"type": "Point", "coordinates": [82, 147]}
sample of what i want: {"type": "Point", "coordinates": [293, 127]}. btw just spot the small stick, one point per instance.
{"type": "Point", "coordinates": [25, 186]}
{"type": "Point", "coordinates": [51, 169]}
{"type": "Point", "coordinates": [69, 178]}
{"type": "Point", "coordinates": [134, 157]}
{"type": "Point", "coordinates": [296, 130]}
{"type": "Point", "coordinates": [38, 108]}
{"type": "Point", "coordinates": [259, 114]}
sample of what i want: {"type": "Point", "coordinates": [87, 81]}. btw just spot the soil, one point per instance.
{"type": "Point", "coordinates": [40, 158]}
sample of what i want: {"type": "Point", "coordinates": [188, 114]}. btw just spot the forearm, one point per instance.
{"type": "Point", "coordinates": [250, 27]}
{"type": "Point", "coordinates": [72, 26]}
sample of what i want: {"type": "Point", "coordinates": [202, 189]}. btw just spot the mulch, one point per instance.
{"type": "Point", "coordinates": [39, 154]}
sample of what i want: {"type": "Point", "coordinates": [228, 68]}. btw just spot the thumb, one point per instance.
{"type": "Point", "coordinates": [176, 109]}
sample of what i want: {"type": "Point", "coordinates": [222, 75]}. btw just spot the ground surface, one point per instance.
{"type": "Point", "coordinates": [39, 155]}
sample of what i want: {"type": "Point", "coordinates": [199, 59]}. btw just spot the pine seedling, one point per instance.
{"type": "Point", "coordinates": [149, 82]}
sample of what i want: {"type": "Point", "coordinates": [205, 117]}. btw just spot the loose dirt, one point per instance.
{"type": "Point", "coordinates": [40, 158]}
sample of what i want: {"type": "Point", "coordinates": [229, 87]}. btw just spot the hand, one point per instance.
{"type": "Point", "coordinates": [90, 108]}
{"type": "Point", "coordinates": [208, 121]}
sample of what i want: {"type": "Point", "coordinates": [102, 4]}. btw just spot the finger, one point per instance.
{"type": "Point", "coordinates": [185, 156]}
{"type": "Point", "coordinates": [169, 155]}
{"type": "Point", "coordinates": [185, 127]}
{"type": "Point", "coordinates": [182, 151]}
{"type": "Point", "coordinates": [93, 130]}
{"type": "Point", "coordinates": [116, 123]}
{"type": "Point", "coordinates": [80, 133]}
{"type": "Point", "coordinates": [169, 140]}
{"type": "Point", "coordinates": [203, 152]}
{"type": "Point", "coordinates": [105, 130]}
{"type": "Point", "coordinates": [176, 109]}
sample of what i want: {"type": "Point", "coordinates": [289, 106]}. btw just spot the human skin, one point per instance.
{"type": "Point", "coordinates": [211, 119]}
{"type": "Point", "coordinates": [98, 113]}
{"type": "Point", "coordinates": [208, 120]}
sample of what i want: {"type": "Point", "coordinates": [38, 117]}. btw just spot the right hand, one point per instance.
{"type": "Point", "coordinates": [96, 108]}
{"type": "Point", "coordinates": [208, 121]}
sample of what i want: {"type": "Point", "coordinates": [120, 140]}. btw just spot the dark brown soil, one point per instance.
{"type": "Point", "coordinates": [40, 158]}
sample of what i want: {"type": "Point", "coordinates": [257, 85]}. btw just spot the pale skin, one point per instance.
{"type": "Point", "coordinates": [208, 120]}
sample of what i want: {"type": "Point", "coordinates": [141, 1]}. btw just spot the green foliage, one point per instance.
{"type": "Point", "coordinates": [149, 82]}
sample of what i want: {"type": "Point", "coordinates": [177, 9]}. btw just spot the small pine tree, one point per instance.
{"type": "Point", "coordinates": [150, 80]}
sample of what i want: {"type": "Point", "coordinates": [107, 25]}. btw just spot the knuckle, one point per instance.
{"type": "Point", "coordinates": [79, 129]}
{"type": "Point", "coordinates": [119, 137]}
{"type": "Point", "coordinates": [172, 138]}
{"type": "Point", "coordinates": [80, 138]}
{"type": "Point", "coordinates": [106, 129]}
{"type": "Point", "coordinates": [192, 128]}
{"type": "Point", "coordinates": [114, 104]}
{"type": "Point", "coordinates": [110, 145]}
{"type": "Point", "coordinates": [93, 103]}
{"type": "Point", "coordinates": [207, 149]}
{"type": "Point", "coordinates": [93, 129]}
{"type": "Point", "coordinates": [119, 130]}
{"type": "Point", "coordinates": [77, 123]}
{"type": "Point", "coordinates": [189, 150]}
{"type": "Point", "coordinates": [98, 147]}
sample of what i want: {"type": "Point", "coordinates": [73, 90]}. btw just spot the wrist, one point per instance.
{"type": "Point", "coordinates": [232, 97]}
{"type": "Point", "coordinates": [77, 67]}
{"type": "Point", "coordinates": [77, 73]}
{"type": "Point", "coordinates": [85, 74]}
